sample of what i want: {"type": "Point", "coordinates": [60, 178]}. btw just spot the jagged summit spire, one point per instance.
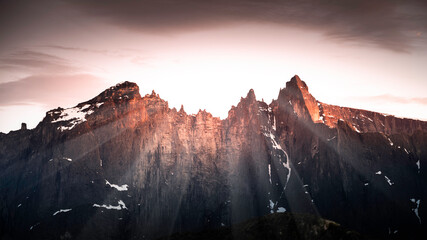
{"type": "Point", "coordinates": [296, 87]}
{"type": "Point", "coordinates": [297, 83]}
{"type": "Point", "coordinates": [303, 103]}
{"type": "Point", "coordinates": [181, 110]}
{"type": "Point", "coordinates": [251, 95]}
{"type": "Point", "coordinates": [296, 77]}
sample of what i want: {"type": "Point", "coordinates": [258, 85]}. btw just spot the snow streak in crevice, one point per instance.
{"type": "Point", "coordinates": [121, 205]}
{"type": "Point", "coordinates": [123, 187]}
{"type": "Point", "coordinates": [415, 210]}
{"type": "Point", "coordinates": [269, 132]}
{"type": "Point", "coordinates": [62, 211]}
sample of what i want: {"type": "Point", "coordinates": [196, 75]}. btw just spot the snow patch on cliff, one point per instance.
{"type": "Point", "coordinates": [418, 165]}
{"type": "Point", "coordinates": [62, 211]}
{"type": "Point", "coordinates": [278, 147]}
{"type": "Point", "coordinates": [35, 225]}
{"type": "Point", "coordinates": [415, 210]}
{"type": "Point", "coordinates": [274, 123]}
{"type": "Point", "coordinates": [356, 129]}
{"type": "Point", "coordinates": [281, 209]}
{"type": "Point", "coordinates": [118, 207]}
{"type": "Point", "coordinates": [123, 187]}
{"type": "Point", "coordinates": [285, 164]}
{"type": "Point", "coordinates": [388, 180]}
{"type": "Point", "coordinates": [73, 116]}
{"type": "Point", "coordinates": [267, 132]}
{"type": "Point", "coordinates": [391, 143]}
{"type": "Point", "coordinates": [271, 206]}
{"type": "Point", "coordinates": [262, 109]}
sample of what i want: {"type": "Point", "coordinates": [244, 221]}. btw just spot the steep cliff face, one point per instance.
{"type": "Point", "coordinates": [122, 166]}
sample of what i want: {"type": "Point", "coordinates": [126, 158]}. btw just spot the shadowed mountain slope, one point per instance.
{"type": "Point", "coordinates": [122, 166]}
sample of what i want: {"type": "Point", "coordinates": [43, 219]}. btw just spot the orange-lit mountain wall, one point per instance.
{"type": "Point", "coordinates": [190, 172]}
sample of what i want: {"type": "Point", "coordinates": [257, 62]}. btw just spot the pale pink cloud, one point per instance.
{"type": "Point", "coordinates": [388, 98]}
{"type": "Point", "coordinates": [50, 90]}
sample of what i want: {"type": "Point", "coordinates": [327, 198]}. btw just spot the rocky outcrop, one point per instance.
{"type": "Point", "coordinates": [122, 166]}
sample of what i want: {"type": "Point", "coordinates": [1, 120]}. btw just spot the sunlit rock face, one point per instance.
{"type": "Point", "coordinates": [122, 166]}
{"type": "Point", "coordinates": [303, 104]}
{"type": "Point", "coordinates": [367, 121]}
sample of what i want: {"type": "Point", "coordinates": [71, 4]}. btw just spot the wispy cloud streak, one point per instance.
{"type": "Point", "coordinates": [392, 25]}
{"type": "Point", "coordinates": [387, 98]}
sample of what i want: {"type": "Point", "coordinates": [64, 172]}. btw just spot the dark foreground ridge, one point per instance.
{"type": "Point", "coordinates": [275, 227]}
{"type": "Point", "coordinates": [125, 166]}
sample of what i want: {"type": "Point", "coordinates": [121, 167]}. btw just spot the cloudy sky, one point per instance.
{"type": "Point", "coordinates": [207, 54]}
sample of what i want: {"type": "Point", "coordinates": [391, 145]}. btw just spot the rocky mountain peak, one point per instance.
{"type": "Point", "coordinates": [69, 118]}
{"type": "Point", "coordinates": [303, 103]}
{"type": "Point", "coordinates": [122, 91]}
{"type": "Point", "coordinates": [135, 161]}
{"type": "Point", "coordinates": [181, 110]}
{"type": "Point", "coordinates": [251, 95]}
{"type": "Point", "coordinates": [297, 88]}
{"type": "Point", "coordinates": [249, 100]}
{"type": "Point", "coordinates": [296, 82]}
{"type": "Point", "coordinates": [154, 94]}
{"type": "Point", "coordinates": [247, 106]}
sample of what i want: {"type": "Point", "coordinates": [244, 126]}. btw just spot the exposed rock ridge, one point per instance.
{"type": "Point", "coordinates": [296, 94]}
{"type": "Point", "coordinates": [306, 107]}
{"type": "Point", "coordinates": [369, 121]}
{"type": "Point", "coordinates": [143, 170]}
{"type": "Point", "coordinates": [124, 90]}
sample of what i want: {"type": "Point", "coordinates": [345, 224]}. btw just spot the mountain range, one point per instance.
{"type": "Point", "coordinates": [123, 166]}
